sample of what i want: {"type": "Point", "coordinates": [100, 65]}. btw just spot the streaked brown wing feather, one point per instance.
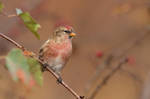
{"type": "Point", "coordinates": [47, 51]}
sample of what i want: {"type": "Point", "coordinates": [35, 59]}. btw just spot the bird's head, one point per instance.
{"type": "Point", "coordinates": [64, 31]}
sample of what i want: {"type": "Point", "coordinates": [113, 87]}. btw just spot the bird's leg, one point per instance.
{"type": "Point", "coordinates": [44, 67]}
{"type": "Point", "coordinates": [59, 80]}
{"type": "Point", "coordinates": [57, 70]}
{"type": "Point", "coordinates": [81, 97]}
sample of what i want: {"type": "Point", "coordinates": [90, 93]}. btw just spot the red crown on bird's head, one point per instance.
{"type": "Point", "coordinates": [62, 23]}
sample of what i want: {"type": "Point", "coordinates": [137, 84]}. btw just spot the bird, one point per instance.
{"type": "Point", "coordinates": [56, 51]}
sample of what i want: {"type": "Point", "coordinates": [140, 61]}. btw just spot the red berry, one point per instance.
{"type": "Point", "coordinates": [131, 60]}
{"type": "Point", "coordinates": [99, 54]}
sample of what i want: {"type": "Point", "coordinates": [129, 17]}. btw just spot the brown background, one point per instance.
{"type": "Point", "coordinates": [101, 25]}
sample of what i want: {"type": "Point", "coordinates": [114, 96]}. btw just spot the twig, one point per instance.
{"type": "Point", "coordinates": [12, 41]}
{"type": "Point", "coordinates": [99, 70]}
{"type": "Point", "coordinates": [132, 75]}
{"type": "Point", "coordinates": [105, 80]}
{"type": "Point", "coordinates": [8, 15]}
{"type": "Point", "coordinates": [47, 67]}
{"type": "Point", "coordinates": [115, 54]}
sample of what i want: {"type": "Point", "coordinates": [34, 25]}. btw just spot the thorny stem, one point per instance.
{"type": "Point", "coordinates": [105, 80]}
{"type": "Point", "coordinates": [47, 67]}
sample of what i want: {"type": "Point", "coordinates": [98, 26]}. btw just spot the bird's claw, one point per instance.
{"type": "Point", "coordinates": [81, 97]}
{"type": "Point", "coordinates": [59, 80]}
{"type": "Point", "coordinates": [44, 67]}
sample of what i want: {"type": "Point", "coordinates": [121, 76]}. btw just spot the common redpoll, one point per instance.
{"type": "Point", "coordinates": [58, 48]}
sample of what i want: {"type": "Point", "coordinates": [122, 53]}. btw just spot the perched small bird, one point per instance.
{"type": "Point", "coordinates": [58, 48]}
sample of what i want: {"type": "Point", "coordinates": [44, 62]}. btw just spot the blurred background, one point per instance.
{"type": "Point", "coordinates": [118, 28]}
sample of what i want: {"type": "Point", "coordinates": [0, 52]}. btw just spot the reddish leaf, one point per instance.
{"type": "Point", "coordinates": [18, 66]}
{"type": "Point", "coordinates": [31, 83]}
{"type": "Point", "coordinates": [21, 75]}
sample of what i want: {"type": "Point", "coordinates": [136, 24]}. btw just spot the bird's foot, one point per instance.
{"type": "Point", "coordinates": [81, 97]}
{"type": "Point", "coordinates": [59, 80]}
{"type": "Point", "coordinates": [44, 67]}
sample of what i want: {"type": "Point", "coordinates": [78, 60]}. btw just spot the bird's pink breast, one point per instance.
{"type": "Point", "coordinates": [62, 50]}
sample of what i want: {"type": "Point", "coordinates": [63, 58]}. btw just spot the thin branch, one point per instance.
{"type": "Point", "coordinates": [47, 67]}
{"type": "Point", "coordinates": [115, 54]}
{"type": "Point", "coordinates": [132, 75]}
{"type": "Point", "coordinates": [12, 41]}
{"type": "Point", "coordinates": [8, 15]}
{"type": "Point", "coordinates": [105, 80]}
{"type": "Point", "coordinates": [98, 71]}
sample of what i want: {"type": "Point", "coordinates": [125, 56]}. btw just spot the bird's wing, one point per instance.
{"type": "Point", "coordinates": [43, 49]}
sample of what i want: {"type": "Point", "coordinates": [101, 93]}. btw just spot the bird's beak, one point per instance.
{"type": "Point", "coordinates": [72, 34]}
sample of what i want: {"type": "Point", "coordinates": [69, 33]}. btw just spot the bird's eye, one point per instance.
{"type": "Point", "coordinates": [67, 31]}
